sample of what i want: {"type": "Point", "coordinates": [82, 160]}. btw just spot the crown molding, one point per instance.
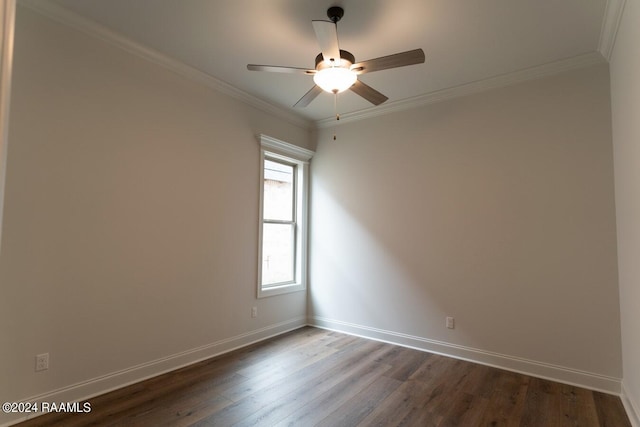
{"type": "Point", "coordinates": [610, 23]}
{"type": "Point", "coordinates": [613, 13]}
{"type": "Point", "coordinates": [502, 80]}
{"type": "Point", "coordinates": [71, 19]}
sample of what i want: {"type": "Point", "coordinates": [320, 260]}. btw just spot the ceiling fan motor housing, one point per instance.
{"type": "Point", "coordinates": [335, 13]}
{"type": "Point", "coordinates": [346, 60]}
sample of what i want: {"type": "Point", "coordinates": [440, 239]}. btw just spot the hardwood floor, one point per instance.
{"type": "Point", "coordinates": [314, 377]}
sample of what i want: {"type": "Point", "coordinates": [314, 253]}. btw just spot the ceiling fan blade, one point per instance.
{"type": "Point", "coordinates": [279, 69]}
{"type": "Point", "coordinates": [368, 93]}
{"type": "Point", "coordinates": [327, 35]}
{"type": "Point", "coordinates": [309, 96]}
{"type": "Point", "coordinates": [402, 59]}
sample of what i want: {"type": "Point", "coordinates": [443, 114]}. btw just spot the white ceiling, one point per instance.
{"type": "Point", "coordinates": [464, 41]}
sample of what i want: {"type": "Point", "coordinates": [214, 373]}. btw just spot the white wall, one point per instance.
{"type": "Point", "coordinates": [625, 105]}
{"type": "Point", "coordinates": [131, 217]}
{"type": "Point", "coordinates": [497, 209]}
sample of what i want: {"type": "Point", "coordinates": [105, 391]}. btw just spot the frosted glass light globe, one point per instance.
{"type": "Point", "coordinates": [335, 79]}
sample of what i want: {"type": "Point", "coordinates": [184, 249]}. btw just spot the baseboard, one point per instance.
{"type": "Point", "coordinates": [82, 391]}
{"type": "Point", "coordinates": [630, 403]}
{"type": "Point", "coordinates": [548, 371]}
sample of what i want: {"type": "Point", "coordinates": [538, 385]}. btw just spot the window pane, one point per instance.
{"type": "Point", "coordinates": [278, 191]}
{"type": "Point", "coordinates": [277, 253]}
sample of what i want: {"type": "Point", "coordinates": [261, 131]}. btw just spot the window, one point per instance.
{"type": "Point", "coordinates": [278, 223]}
{"type": "Point", "coordinates": [283, 217]}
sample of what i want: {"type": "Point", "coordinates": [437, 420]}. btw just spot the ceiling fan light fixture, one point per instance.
{"type": "Point", "coordinates": [335, 79]}
{"type": "Point", "coordinates": [336, 70]}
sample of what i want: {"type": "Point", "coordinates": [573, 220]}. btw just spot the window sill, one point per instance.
{"type": "Point", "coordinates": [280, 290]}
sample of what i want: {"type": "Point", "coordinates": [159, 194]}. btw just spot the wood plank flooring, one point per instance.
{"type": "Point", "coordinates": [314, 377]}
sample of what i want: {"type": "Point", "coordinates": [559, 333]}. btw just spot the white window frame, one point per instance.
{"type": "Point", "coordinates": [300, 157]}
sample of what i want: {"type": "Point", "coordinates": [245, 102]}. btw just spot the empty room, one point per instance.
{"type": "Point", "coordinates": [320, 212]}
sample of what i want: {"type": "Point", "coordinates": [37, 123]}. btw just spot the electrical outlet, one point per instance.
{"type": "Point", "coordinates": [451, 323]}
{"type": "Point", "coordinates": [42, 362]}
{"type": "Point", "coordinates": [254, 312]}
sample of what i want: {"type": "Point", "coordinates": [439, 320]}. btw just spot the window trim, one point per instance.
{"type": "Point", "coordinates": [283, 151]}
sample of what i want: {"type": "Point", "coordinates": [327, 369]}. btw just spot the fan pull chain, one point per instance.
{"type": "Point", "coordinates": [335, 110]}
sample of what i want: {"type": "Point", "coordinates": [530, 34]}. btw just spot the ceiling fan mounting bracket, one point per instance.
{"type": "Point", "coordinates": [335, 13]}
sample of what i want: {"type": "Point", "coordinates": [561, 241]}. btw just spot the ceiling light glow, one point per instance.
{"type": "Point", "coordinates": [335, 79]}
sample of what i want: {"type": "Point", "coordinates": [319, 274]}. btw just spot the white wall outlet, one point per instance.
{"type": "Point", "coordinates": [451, 323]}
{"type": "Point", "coordinates": [42, 362]}
{"type": "Point", "coordinates": [254, 312]}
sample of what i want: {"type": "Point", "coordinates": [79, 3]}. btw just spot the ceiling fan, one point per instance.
{"type": "Point", "coordinates": [336, 70]}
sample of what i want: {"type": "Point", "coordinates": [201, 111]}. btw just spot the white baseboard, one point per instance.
{"type": "Point", "coordinates": [631, 403]}
{"type": "Point", "coordinates": [85, 390]}
{"type": "Point", "coordinates": [548, 371]}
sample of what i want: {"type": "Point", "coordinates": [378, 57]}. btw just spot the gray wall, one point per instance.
{"type": "Point", "coordinates": [625, 96]}
{"type": "Point", "coordinates": [131, 217]}
{"type": "Point", "coordinates": [497, 209]}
